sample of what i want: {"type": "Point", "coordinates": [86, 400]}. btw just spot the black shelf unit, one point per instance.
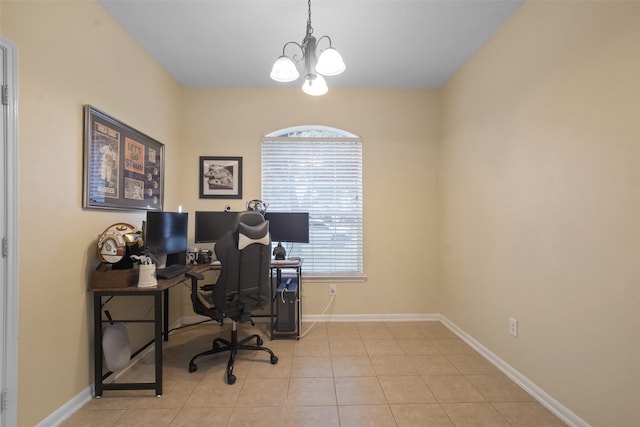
{"type": "Point", "coordinates": [286, 301]}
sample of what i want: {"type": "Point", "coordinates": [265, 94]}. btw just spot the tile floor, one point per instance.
{"type": "Point", "coordinates": [338, 374]}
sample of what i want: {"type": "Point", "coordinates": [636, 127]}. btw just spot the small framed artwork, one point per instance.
{"type": "Point", "coordinates": [220, 177]}
{"type": "Point", "coordinates": [123, 168]}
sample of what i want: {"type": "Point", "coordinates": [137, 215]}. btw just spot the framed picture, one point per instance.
{"type": "Point", "coordinates": [123, 168]}
{"type": "Point", "coordinates": [220, 177]}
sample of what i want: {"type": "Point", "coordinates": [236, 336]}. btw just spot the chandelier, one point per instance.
{"type": "Point", "coordinates": [329, 63]}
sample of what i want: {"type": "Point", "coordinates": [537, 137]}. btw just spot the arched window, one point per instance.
{"type": "Point", "coordinates": [318, 169]}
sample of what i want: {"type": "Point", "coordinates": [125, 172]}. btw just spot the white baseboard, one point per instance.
{"type": "Point", "coordinates": [529, 386]}
{"type": "Point", "coordinates": [370, 317]}
{"type": "Point", "coordinates": [68, 409]}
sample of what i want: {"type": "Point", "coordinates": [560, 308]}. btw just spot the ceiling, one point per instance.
{"type": "Point", "coordinates": [384, 43]}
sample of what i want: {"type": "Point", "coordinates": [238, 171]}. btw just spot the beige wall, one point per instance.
{"type": "Point", "coordinates": [72, 53]}
{"type": "Point", "coordinates": [539, 202]}
{"type": "Point", "coordinates": [398, 129]}
{"type": "Point", "coordinates": [69, 54]}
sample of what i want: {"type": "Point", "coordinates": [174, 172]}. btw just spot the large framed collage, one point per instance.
{"type": "Point", "coordinates": [123, 168]}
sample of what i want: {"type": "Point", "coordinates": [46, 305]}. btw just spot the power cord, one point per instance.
{"type": "Point", "coordinates": [323, 312]}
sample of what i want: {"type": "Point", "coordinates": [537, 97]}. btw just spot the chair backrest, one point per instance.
{"type": "Point", "coordinates": [244, 255]}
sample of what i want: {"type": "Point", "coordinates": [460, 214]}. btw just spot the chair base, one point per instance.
{"type": "Point", "coordinates": [220, 345]}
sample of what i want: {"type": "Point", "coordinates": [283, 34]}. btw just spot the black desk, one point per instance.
{"type": "Point", "coordinates": [160, 320]}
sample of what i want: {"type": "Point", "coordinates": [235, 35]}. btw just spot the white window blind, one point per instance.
{"type": "Point", "coordinates": [318, 170]}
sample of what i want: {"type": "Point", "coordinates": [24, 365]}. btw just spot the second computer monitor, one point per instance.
{"type": "Point", "coordinates": [210, 226]}
{"type": "Point", "coordinates": [288, 226]}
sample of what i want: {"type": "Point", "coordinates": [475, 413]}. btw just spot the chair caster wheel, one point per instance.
{"type": "Point", "coordinates": [192, 367]}
{"type": "Point", "coordinates": [231, 379]}
{"type": "Point", "coordinates": [274, 360]}
{"type": "Point", "coordinates": [259, 341]}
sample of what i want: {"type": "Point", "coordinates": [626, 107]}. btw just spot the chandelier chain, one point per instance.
{"type": "Point", "coordinates": [309, 27]}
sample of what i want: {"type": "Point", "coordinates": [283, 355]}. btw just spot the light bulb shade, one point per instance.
{"type": "Point", "coordinates": [315, 87]}
{"type": "Point", "coordinates": [330, 63]}
{"type": "Point", "coordinates": [284, 70]}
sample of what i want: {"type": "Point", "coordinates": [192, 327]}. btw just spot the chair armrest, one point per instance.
{"type": "Point", "coordinates": [194, 276]}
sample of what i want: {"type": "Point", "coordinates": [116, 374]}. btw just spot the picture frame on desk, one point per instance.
{"type": "Point", "coordinates": [123, 168]}
{"type": "Point", "coordinates": [220, 177]}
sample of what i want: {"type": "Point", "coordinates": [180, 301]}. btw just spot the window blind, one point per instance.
{"type": "Point", "coordinates": [322, 176]}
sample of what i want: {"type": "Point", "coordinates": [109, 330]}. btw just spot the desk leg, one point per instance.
{"type": "Point", "coordinates": [165, 317]}
{"type": "Point", "coordinates": [158, 340]}
{"type": "Point", "coordinates": [97, 343]}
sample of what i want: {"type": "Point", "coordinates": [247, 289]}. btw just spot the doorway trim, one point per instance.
{"type": "Point", "coordinates": [10, 250]}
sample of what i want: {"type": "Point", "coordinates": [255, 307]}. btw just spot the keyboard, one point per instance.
{"type": "Point", "coordinates": [172, 271]}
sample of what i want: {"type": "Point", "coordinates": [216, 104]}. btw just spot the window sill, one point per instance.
{"type": "Point", "coordinates": [333, 278]}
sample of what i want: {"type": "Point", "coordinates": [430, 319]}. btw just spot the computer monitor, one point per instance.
{"type": "Point", "coordinates": [212, 225]}
{"type": "Point", "coordinates": [288, 226]}
{"type": "Point", "coordinates": [165, 237]}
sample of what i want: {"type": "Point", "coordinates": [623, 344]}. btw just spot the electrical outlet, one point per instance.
{"type": "Point", "coordinates": [513, 326]}
{"type": "Point", "coordinates": [332, 289]}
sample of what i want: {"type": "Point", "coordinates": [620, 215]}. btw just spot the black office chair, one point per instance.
{"type": "Point", "coordinates": [242, 286]}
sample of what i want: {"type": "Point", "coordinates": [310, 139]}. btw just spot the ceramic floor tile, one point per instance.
{"type": "Point", "coordinates": [374, 332]}
{"type": "Point", "coordinates": [110, 402]}
{"type": "Point", "coordinates": [262, 416]}
{"type": "Point", "coordinates": [352, 366]}
{"type": "Point", "coordinates": [420, 415]}
{"type": "Point", "coordinates": [528, 414]}
{"type": "Point", "coordinates": [409, 374]}
{"type": "Point", "coordinates": [417, 346]}
{"type": "Point", "coordinates": [347, 348]}
{"type": "Point", "coordinates": [306, 347]}
{"type": "Point", "coordinates": [147, 417]}
{"type": "Point", "coordinates": [359, 391]}
{"type": "Point", "coordinates": [311, 391]}
{"type": "Point", "coordinates": [498, 388]}
{"type": "Point", "coordinates": [432, 364]}
{"type": "Point", "coordinates": [210, 417]}
{"type": "Point", "coordinates": [452, 388]}
{"type": "Point", "coordinates": [406, 389]}
{"type": "Point", "coordinates": [263, 392]}
{"type": "Point", "coordinates": [472, 364]}
{"type": "Point", "coordinates": [311, 366]}
{"type": "Point", "coordinates": [97, 418]}
{"type": "Point", "coordinates": [366, 416]}
{"type": "Point", "coordinates": [216, 394]}
{"type": "Point", "coordinates": [262, 368]}
{"type": "Point", "coordinates": [382, 347]}
{"type": "Point", "coordinates": [314, 330]}
{"type": "Point", "coordinates": [174, 395]}
{"type": "Point", "coordinates": [406, 331]}
{"type": "Point", "coordinates": [474, 415]}
{"type": "Point", "coordinates": [393, 365]}
{"type": "Point", "coordinates": [435, 330]}
{"type": "Point", "coordinates": [449, 346]}
{"type": "Point", "coordinates": [342, 333]}
{"type": "Point", "coordinates": [312, 416]}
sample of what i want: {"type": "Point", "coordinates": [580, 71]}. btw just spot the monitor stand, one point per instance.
{"type": "Point", "coordinates": [159, 260]}
{"type": "Point", "coordinates": [179, 258]}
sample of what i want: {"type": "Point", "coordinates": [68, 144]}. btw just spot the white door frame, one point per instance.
{"type": "Point", "coordinates": [9, 231]}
